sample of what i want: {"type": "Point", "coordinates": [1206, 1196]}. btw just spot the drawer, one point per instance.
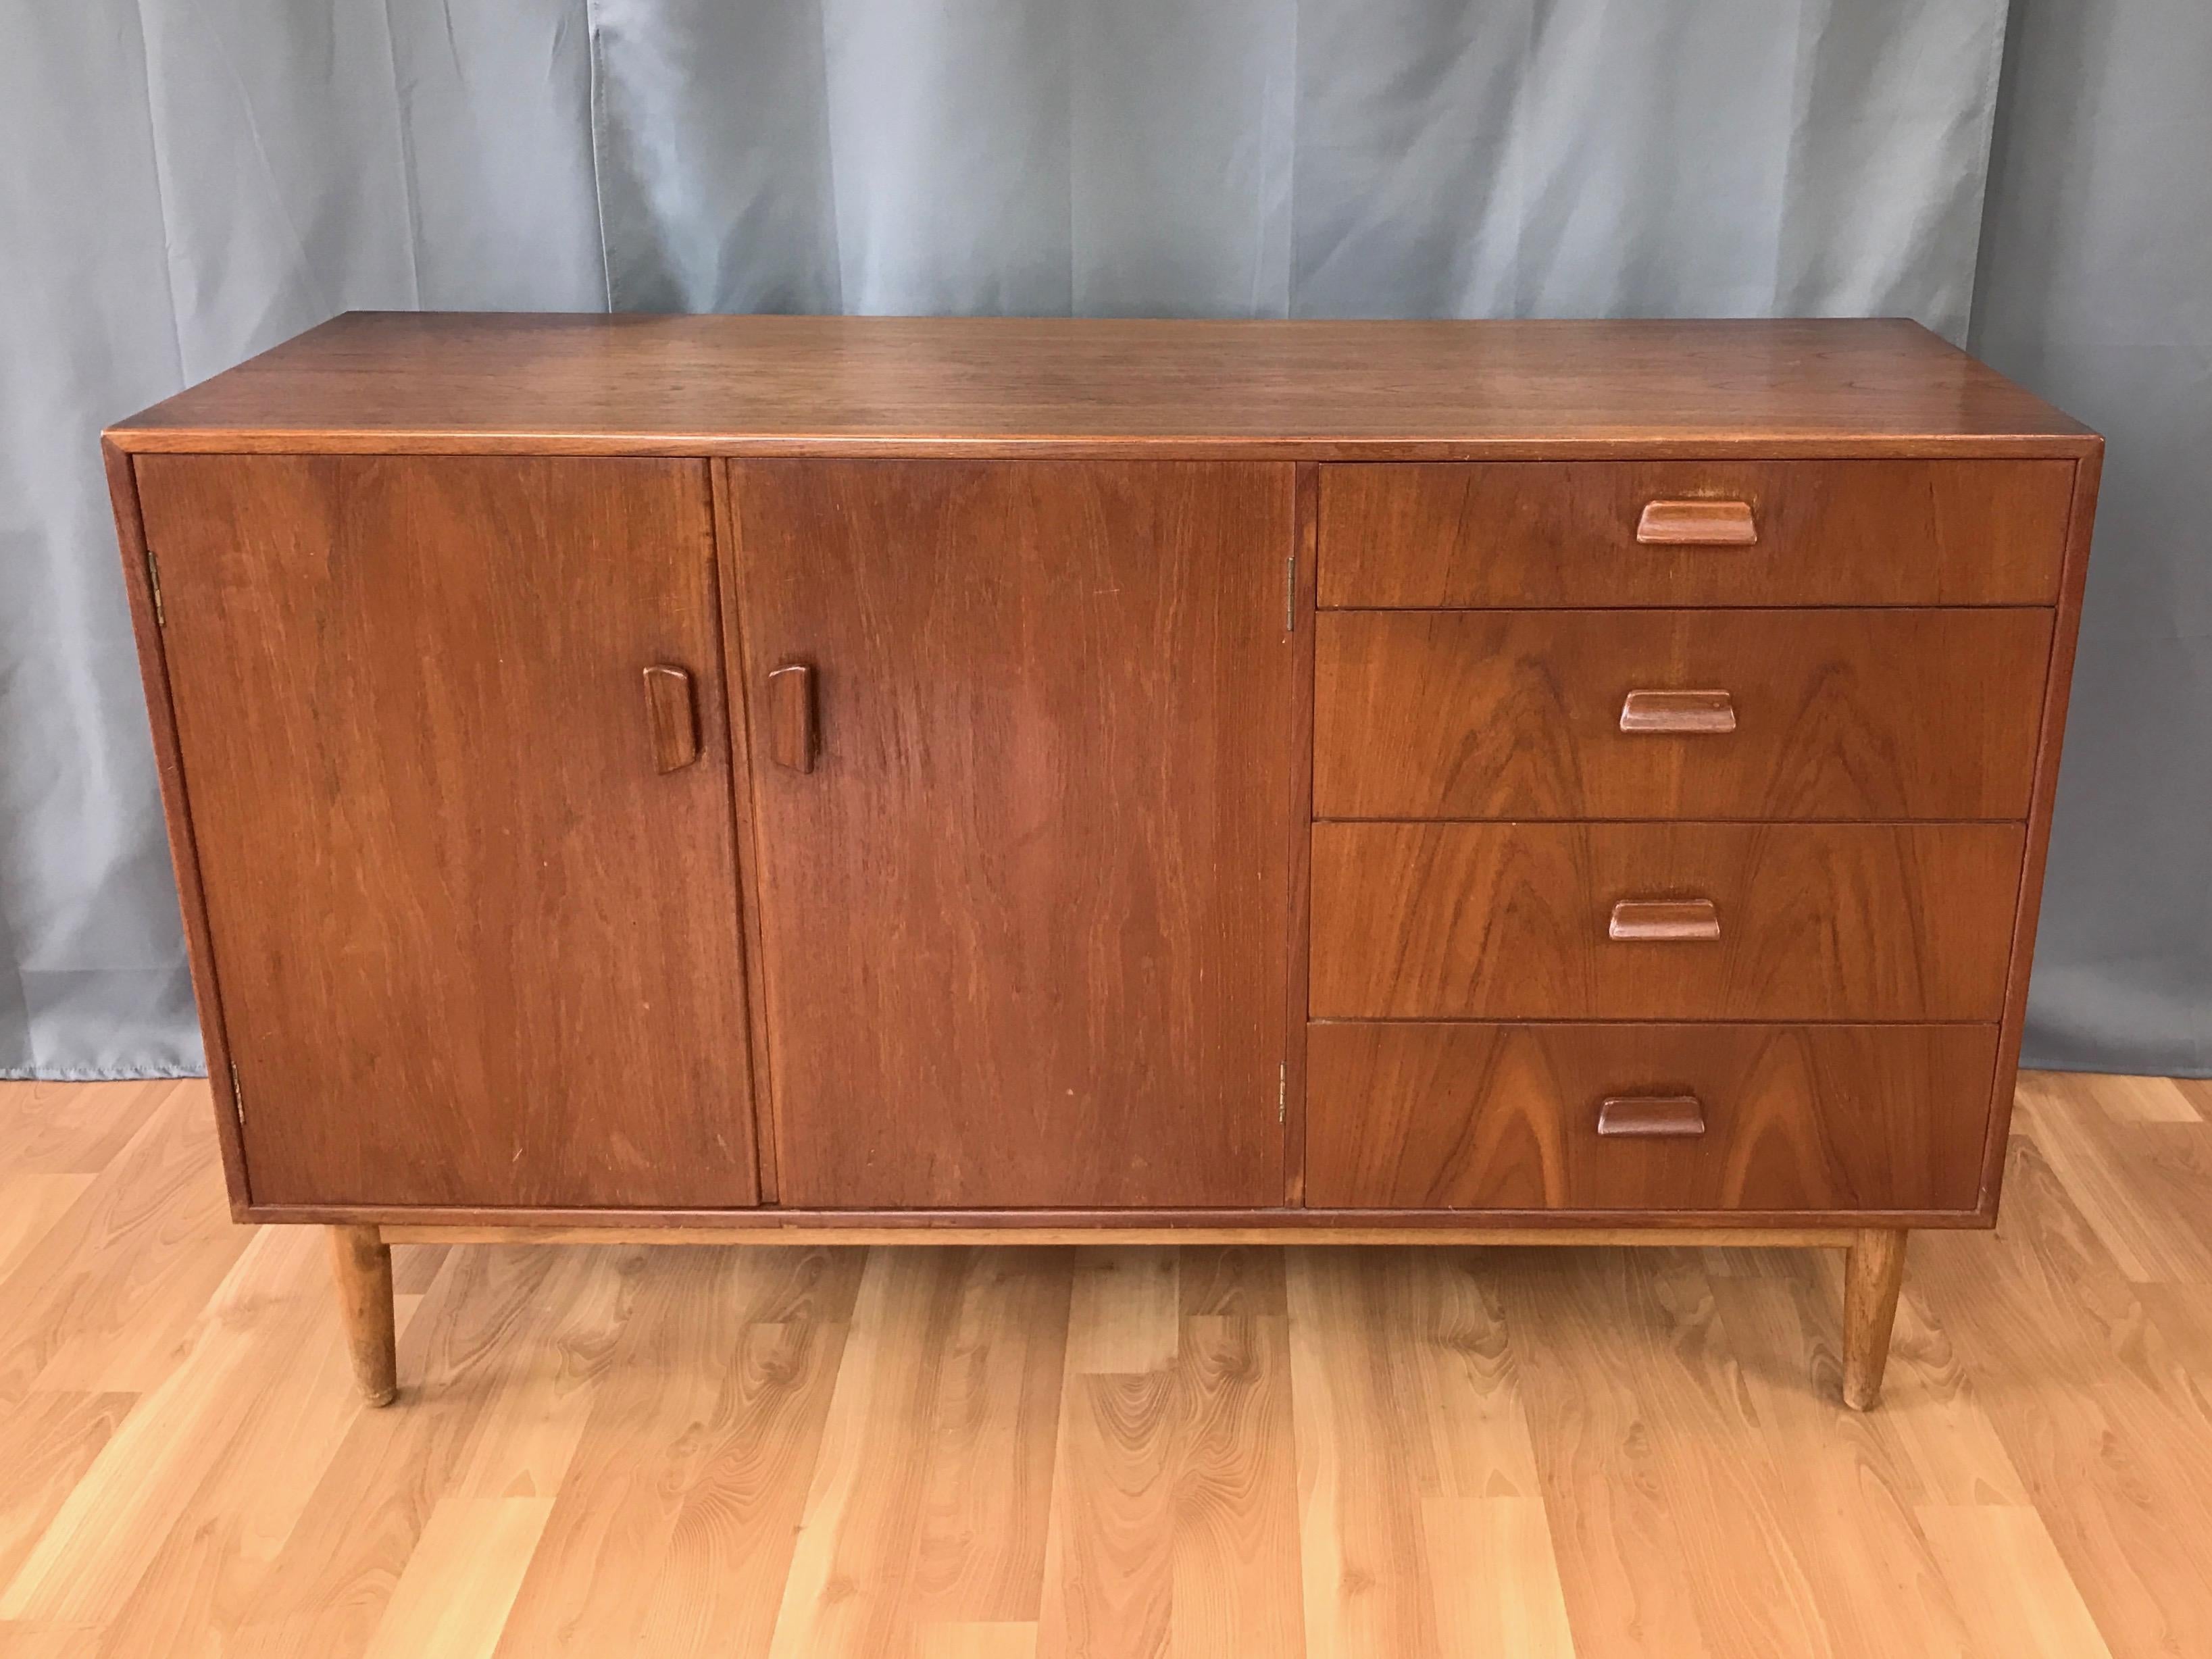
{"type": "Point", "coordinates": [1518, 920]}
{"type": "Point", "coordinates": [1535, 533]}
{"type": "Point", "coordinates": [1761, 1117]}
{"type": "Point", "coordinates": [1838, 713]}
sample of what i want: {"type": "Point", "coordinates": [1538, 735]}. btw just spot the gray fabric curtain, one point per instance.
{"type": "Point", "coordinates": [183, 186]}
{"type": "Point", "coordinates": [2096, 289]}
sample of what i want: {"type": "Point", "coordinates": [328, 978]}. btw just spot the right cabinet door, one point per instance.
{"type": "Point", "coordinates": [1023, 825]}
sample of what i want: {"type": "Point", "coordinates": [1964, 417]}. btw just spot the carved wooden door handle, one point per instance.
{"type": "Point", "coordinates": [671, 717]}
{"type": "Point", "coordinates": [793, 739]}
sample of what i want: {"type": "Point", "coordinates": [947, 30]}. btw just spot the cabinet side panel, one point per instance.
{"type": "Point", "coordinates": [2057, 684]}
{"type": "Point", "coordinates": [176, 813]}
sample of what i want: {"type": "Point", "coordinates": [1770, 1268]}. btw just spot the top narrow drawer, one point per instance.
{"type": "Point", "coordinates": [1511, 533]}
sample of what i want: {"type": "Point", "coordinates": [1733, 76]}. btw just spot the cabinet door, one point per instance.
{"type": "Point", "coordinates": [1024, 920]}
{"type": "Point", "coordinates": [474, 946]}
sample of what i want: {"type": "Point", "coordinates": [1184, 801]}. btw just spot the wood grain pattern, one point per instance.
{"type": "Point", "coordinates": [2040, 1612]}
{"type": "Point", "coordinates": [1508, 921]}
{"type": "Point", "coordinates": [1235, 1539]}
{"type": "Point", "coordinates": [53, 1438]}
{"type": "Point", "coordinates": [1838, 714]}
{"type": "Point", "coordinates": [75, 1127]}
{"type": "Point", "coordinates": [1564, 533]}
{"type": "Point", "coordinates": [462, 1578]}
{"type": "Point", "coordinates": [474, 947]}
{"type": "Point", "coordinates": [2133, 1180]}
{"type": "Point", "coordinates": [1110, 1590]}
{"type": "Point", "coordinates": [1797, 1117]}
{"type": "Point", "coordinates": [115, 1530]}
{"type": "Point", "coordinates": [540, 1325]}
{"type": "Point", "coordinates": [674, 1527]}
{"type": "Point", "coordinates": [1543, 1451]}
{"type": "Point", "coordinates": [394, 382]}
{"type": "Point", "coordinates": [2111, 1441]}
{"type": "Point", "coordinates": [101, 1300]}
{"type": "Point", "coordinates": [1870, 1580]}
{"type": "Point", "coordinates": [1415, 1470]}
{"type": "Point", "coordinates": [1025, 918]}
{"type": "Point", "coordinates": [30, 1204]}
{"type": "Point", "coordinates": [1670, 1543]}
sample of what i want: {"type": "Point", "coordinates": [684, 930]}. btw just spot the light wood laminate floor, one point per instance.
{"type": "Point", "coordinates": [1217, 1452]}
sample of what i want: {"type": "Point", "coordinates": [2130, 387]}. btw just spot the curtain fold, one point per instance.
{"type": "Point", "coordinates": [1298, 157]}
{"type": "Point", "coordinates": [2096, 288]}
{"type": "Point", "coordinates": [182, 185]}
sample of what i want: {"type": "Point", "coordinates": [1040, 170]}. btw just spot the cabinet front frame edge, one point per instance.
{"type": "Point", "coordinates": [1813, 1238]}
{"type": "Point", "coordinates": [1285, 1224]}
{"type": "Point", "coordinates": [737, 688]}
{"type": "Point", "coordinates": [1628, 446]}
{"type": "Point", "coordinates": [1305, 535]}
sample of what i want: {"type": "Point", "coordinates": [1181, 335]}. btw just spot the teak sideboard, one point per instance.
{"type": "Point", "coordinates": [763, 778]}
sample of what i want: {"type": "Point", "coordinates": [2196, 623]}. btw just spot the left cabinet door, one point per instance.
{"type": "Point", "coordinates": [470, 871]}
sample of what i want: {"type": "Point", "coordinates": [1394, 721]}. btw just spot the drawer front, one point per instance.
{"type": "Point", "coordinates": [1759, 1117]}
{"type": "Point", "coordinates": [1517, 920]}
{"type": "Point", "coordinates": [1862, 713]}
{"type": "Point", "coordinates": [1536, 533]}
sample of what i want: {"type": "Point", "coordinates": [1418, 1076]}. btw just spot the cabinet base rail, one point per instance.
{"type": "Point", "coordinates": [1873, 1267]}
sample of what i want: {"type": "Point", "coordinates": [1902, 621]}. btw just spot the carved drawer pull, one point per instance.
{"type": "Point", "coordinates": [1666, 919]}
{"type": "Point", "coordinates": [1697, 523]}
{"type": "Point", "coordinates": [1677, 712]}
{"type": "Point", "coordinates": [1650, 1114]}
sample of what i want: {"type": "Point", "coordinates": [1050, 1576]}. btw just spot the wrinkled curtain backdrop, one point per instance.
{"type": "Point", "coordinates": [182, 184]}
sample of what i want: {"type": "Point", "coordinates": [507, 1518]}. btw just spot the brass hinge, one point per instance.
{"type": "Point", "coordinates": [237, 1095]}
{"type": "Point", "coordinates": [154, 587]}
{"type": "Point", "coordinates": [1290, 594]}
{"type": "Point", "coordinates": [1282, 1091]}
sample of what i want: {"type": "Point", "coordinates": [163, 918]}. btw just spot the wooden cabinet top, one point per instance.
{"type": "Point", "coordinates": [421, 383]}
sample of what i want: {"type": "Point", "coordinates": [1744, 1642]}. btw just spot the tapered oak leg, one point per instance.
{"type": "Point", "coordinates": [1873, 1267]}
{"type": "Point", "coordinates": [362, 1261]}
